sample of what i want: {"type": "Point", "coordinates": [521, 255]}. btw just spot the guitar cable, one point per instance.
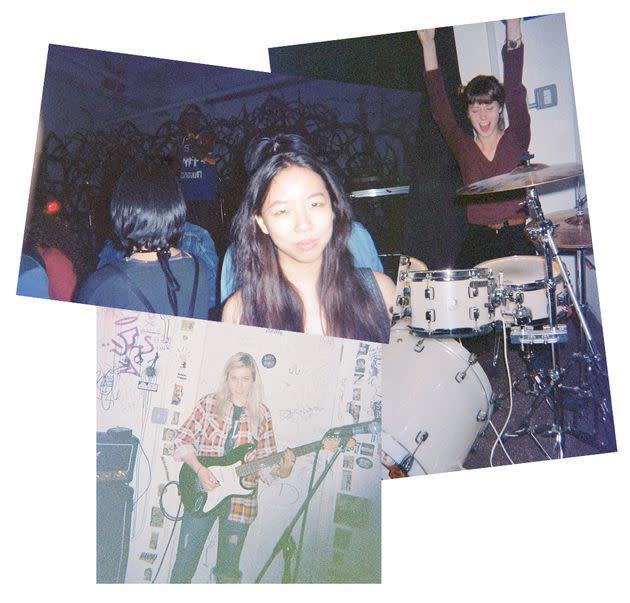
{"type": "Point", "coordinates": [174, 519]}
{"type": "Point", "coordinates": [135, 502]}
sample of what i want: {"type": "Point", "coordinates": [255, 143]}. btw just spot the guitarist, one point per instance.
{"type": "Point", "coordinates": [231, 417]}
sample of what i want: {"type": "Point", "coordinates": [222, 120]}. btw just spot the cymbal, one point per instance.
{"type": "Point", "coordinates": [571, 231]}
{"type": "Point", "coordinates": [524, 176]}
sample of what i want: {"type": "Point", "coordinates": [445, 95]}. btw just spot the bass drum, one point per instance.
{"type": "Point", "coordinates": [435, 403]}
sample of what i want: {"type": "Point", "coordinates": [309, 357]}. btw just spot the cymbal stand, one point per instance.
{"type": "Point", "coordinates": [547, 387]}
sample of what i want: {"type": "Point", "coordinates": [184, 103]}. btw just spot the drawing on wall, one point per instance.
{"type": "Point", "coordinates": [150, 490]}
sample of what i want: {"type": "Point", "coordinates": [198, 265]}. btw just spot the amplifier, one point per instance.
{"type": "Point", "coordinates": [116, 451]}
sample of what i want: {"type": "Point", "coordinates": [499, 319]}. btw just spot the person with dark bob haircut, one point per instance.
{"type": "Point", "coordinates": [148, 213]}
{"type": "Point", "coordinates": [293, 267]}
{"type": "Point", "coordinates": [495, 225]}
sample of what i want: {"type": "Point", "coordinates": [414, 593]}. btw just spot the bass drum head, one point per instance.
{"type": "Point", "coordinates": [519, 269]}
{"type": "Point", "coordinates": [422, 394]}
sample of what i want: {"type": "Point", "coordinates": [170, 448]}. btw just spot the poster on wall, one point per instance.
{"type": "Point", "coordinates": [177, 401]}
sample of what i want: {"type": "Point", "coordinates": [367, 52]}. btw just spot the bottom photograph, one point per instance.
{"type": "Point", "coordinates": [235, 454]}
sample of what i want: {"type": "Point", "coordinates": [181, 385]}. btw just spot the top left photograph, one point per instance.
{"type": "Point", "coordinates": [217, 193]}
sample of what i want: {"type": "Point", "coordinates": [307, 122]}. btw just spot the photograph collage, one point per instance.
{"type": "Point", "coordinates": [332, 277]}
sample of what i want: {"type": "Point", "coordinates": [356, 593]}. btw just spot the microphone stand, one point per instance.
{"type": "Point", "coordinates": [286, 544]}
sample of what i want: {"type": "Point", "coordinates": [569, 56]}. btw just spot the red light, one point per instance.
{"type": "Point", "coordinates": [52, 207]}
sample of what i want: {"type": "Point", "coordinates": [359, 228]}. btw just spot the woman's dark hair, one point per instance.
{"type": "Point", "coordinates": [147, 208]}
{"type": "Point", "coordinates": [268, 298]}
{"type": "Point", "coordinates": [148, 213]}
{"type": "Point", "coordinates": [483, 89]}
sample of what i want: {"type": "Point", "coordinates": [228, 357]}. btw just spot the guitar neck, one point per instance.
{"type": "Point", "coordinates": [274, 459]}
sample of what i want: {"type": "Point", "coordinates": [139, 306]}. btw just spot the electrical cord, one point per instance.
{"type": "Point", "coordinates": [135, 502]}
{"type": "Point", "coordinates": [174, 519]}
{"type": "Point", "coordinates": [498, 439]}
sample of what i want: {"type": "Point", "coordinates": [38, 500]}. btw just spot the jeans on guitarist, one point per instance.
{"type": "Point", "coordinates": [192, 539]}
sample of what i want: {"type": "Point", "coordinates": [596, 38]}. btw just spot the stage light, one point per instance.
{"type": "Point", "coordinates": [52, 207]}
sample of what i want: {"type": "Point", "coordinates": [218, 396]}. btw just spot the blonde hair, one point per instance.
{"type": "Point", "coordinates": [223, 397]}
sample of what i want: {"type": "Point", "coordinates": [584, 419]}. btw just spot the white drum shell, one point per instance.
{"type": "Point", "coordinates": [421, 393]}
{"type": "Point", "coordinates": [407, 264]}
{"type": "Point", "coordinates": [525, 275]}
{"type": "Point", "coordinates": [451, 303]}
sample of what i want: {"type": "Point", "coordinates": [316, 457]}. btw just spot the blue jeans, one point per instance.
{"type": "Point", "coordinates": [192, 539]}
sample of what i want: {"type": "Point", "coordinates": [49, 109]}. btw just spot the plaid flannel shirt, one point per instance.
{"type": "Point", "coordinates": [205, 434]}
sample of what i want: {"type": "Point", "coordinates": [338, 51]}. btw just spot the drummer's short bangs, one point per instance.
{"type": "Point", "coordinates": [483, 89]}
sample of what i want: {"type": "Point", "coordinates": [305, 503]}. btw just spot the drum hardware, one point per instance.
{"type": "Point", "coordinates": [472, 359]}
{"type": "Point", "coordinates": [548, 385]}
{"type": "Point", "coordinates": [528, 335]}
{"type": "Point", "coordinates": [407, 462]}
{"type": "Point", "coordinates": [406, 265]}
{"type": "Point", "coordinates": [419, 347]}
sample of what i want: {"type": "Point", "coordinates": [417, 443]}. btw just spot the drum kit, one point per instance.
{"type": "Point", "coordinates": [440, 398]}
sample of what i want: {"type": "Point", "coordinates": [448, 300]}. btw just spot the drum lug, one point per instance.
{"type": "Point", "coordinates": [407, 462]}
{"type": "Point", "coordinates": [472, 359]}
{"type": "Point", "coordinates": [473, 291]}
{"type": "Point", "coordinates": [482, 415]}
{"type": "Point", "coordinates": [429, 315]}
{"type": "Point", "coordinates": [522, 314]}
{"type": "Point", "coordinates": [419, 347]}
{"type": "Point", "coordinates": [429, 293]}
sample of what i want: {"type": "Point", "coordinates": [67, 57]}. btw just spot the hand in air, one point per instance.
{"type": "Point", "coordinates": [513, 29]}
{"type": "Point", "coordinates": [207, 479]}
{"type": "Point", "coordinates": [426, 35]}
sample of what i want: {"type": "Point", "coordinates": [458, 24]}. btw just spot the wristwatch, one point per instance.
{"type": "Point", "coordinates": [513, 44]}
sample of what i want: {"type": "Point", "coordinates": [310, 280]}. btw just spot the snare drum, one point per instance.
{"type": "Point", "coordinates": [451, 303]}
{"type": "Point", "coordinates": [520, 279]}
{"type": "Point", "coordinates": [432, 394]}
{"type": "Point", "coordinates": [406, 265]}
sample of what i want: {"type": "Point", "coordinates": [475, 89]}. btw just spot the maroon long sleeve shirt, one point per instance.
{"type": "Point", "coordinates": [473, 164]}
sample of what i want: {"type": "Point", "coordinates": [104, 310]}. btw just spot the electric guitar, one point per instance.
{"type": "Point", "coordinates": [229, 471]}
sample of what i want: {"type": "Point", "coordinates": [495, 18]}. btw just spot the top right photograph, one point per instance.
{"type": "Point", "coordinates": [497, 354]}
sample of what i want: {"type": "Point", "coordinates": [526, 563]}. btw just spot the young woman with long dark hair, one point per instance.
{"type": "Point", "coordinates": [294, 269]}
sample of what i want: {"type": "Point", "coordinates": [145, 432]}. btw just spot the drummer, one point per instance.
{"type": "Point", "coordinates": [495, 225]}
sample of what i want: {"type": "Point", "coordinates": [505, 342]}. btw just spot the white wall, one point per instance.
{"type": "Point", "coordinates": [307, 391]}
{"type": "Point", "coordinates": [555, 136]}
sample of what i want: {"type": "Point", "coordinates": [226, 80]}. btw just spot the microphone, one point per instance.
{"type": "Point", "coordinates": [347, 431]}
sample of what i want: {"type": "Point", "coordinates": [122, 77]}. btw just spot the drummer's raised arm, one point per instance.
{"type": "Point", "coordinates": [513, 33]}
{"type": "Point", "coordinates": [427, 39]}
